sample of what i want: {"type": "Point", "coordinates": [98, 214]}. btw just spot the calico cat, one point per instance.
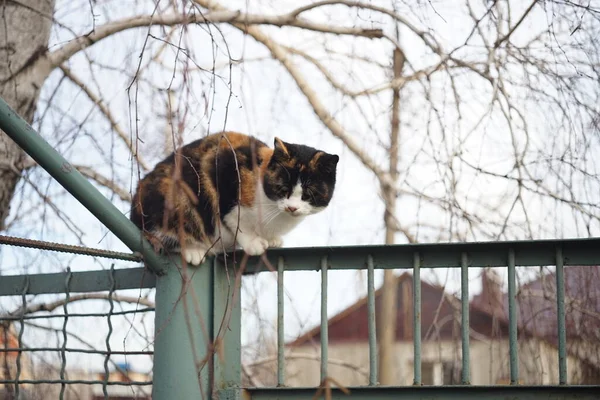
{"type": "Point", "coordinates": [229, 188]}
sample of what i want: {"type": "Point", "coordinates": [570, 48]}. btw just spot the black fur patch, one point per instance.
{"type": "Point", "coordinates": [316, 171]}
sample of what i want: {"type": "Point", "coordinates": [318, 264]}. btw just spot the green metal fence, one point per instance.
{"type": "Point", "coordinates": [196, 349]}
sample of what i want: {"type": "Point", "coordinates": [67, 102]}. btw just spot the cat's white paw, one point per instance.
{"type": "Point", "coordinates": [194, 255]}
{"type": "Point", "coordinates": [256, 246]}
{"type": "Point", "coordinates": [276, 242]}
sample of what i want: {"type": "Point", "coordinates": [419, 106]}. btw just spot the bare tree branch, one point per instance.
{"type": "Point", "coordinates": [92, 174]}
{"type": "Point", "coordinates": [107, 113]}
{"type": "Point", "coordinates": [515, 26]}
{"type": "Point", "coordinates": [56, 58]}
{"type": "Point", "coordinates": [282, 55]}
{"type": "Point", "coordinates": [104, 181]}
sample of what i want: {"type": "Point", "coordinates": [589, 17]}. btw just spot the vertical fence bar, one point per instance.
{"type": "Point", "coordinates": [371, 321]}
{"type": "Point", "coordinates": [417, 318]}
{"type": "Point", "coordinates": [512, 319]}
{"type": "Point", "coordinates": [324, 325]}
{"type": "Point", "coordinates": [280, 331]}
{"type": "Point", "coordinates": [464, 302]}
{"type": "Point", "coordinates": [560, 307]}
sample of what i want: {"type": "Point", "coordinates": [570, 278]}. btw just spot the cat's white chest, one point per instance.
{"type": "Point", "coordinates": [265, 219]}
{"type": "Point", "coordinates": [269, 219]}
{"type": "Point", "coordinates": [276, 225]}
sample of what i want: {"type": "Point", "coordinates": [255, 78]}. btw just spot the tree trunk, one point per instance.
{"type": "Point", "coordinates": [389, 306]}
{"type": "Point", "coordinates": [24, 33]}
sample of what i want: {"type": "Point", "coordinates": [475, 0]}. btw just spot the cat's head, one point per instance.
{"type": "Point", "coordinates": [300, 179]}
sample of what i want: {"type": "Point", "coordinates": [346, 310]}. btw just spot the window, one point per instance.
{"type": "Point", "coordinates": [452, 372]}
{"type": "Point", "coordinates": [427, 373]}
{"type": "Point", "coordinates": [440, 373]}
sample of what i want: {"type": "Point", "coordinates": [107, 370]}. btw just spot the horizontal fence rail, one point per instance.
{"type": "Point", "coordinates": [81, 282]}
{"type": "Point", "coordinates": [433, 393]}
{"type": "Point", "coordinates": [528, 253]}
{"type": "Point", "coordinates": [443, 255]}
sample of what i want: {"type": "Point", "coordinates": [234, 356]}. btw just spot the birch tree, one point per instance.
{"type": "Point", "coordinates": [22, 44]}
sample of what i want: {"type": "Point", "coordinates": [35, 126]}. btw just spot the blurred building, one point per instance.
{"type": "Point", "coordinates": [441, 340]}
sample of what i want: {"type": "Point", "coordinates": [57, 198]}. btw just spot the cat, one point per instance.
{"type": "Point", "coordinates": [230, 188]}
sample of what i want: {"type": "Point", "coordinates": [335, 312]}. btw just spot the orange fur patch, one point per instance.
{"type": "Point", "coordinates": [234, 140]}
{"type": "Point", "coordinates": [248, 187]}
{"type": "Point", "coordinates": [290, 163]}
{"type": "Point", "coordinates": [313, 163]}
{"type": "Point", "coordinates": [207, 184]}
{"type": "Point", "coordinates": [265, 153]}
{"type": "Point", "coordinates": [280, 143]}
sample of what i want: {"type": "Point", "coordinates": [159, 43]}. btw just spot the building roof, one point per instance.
{"type": "Point", "coordinates": [440, 317]}
{"type": "Point", "coordinates": [488, 313]}
{"type": "Point", "coordinates": [537, 308]}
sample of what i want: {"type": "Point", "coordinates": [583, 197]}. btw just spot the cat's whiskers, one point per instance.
{"type": "Point", "coordinates": [262, 207]}
{"type": "Point", "coordinates": [270, 216]}
{"type": "Point", "coordinates": [265, 208]}
{"type": "Point", "coordinates": [311, 194]}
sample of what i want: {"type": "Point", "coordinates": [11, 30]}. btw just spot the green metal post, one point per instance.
{"type": "Point", "coordinates": [464, 302]}
{"type": "Point", "coordinates": [49, 159]}
{"type": "Point", "coordinates": [192, 315]}
{"type": "Point", "coordinates": [182, 333]}
{"type": "Point", "coordinates": [512, 319]}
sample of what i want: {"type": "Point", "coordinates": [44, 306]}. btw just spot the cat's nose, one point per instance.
{"type": "Point", "coordinates": [291, 209]}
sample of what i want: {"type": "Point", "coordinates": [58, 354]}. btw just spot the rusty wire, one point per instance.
{"type": "Point", "coordinates": [67, 248]}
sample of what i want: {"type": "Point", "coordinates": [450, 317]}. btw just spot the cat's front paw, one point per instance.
{"type": "Point", "coordinates": [194, 255]}
{"type": "Point", "coordinates": [256, 246]}
{"type": "Point", "coordinates": [276, 242]}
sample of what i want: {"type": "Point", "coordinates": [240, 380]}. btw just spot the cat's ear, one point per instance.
{"type": "Point", "coordinates": [280, 147]}
{"type": "Point", "coordinates": [328, 162]}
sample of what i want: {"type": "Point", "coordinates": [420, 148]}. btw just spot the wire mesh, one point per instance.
{"type": "Point", "coordinates": [51, 343]}
{"type": "Point", "coordinates": [67, 369]}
